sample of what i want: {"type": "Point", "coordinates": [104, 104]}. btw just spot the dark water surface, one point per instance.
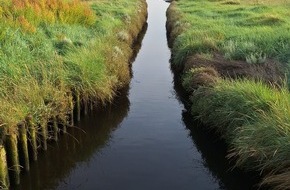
{"type": "Point", "coordinates": [141, 141]}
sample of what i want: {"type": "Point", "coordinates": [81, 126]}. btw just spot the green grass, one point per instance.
{"type": "Point", "coordinates": [74, 49]}
{"type": "Point", "coordinates": [254, 121]}
{"type": "Point", "coordinates": [251, 116]}
{"type": "Point", "coordinates": [235, 30]}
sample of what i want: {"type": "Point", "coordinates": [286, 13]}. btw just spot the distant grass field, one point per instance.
{"type": "Point", "coordinates": [233, 58]}
{"type": "Point", "coordinates": [240, 31]}
{"type": "Point", "coordinates": [264, 2]}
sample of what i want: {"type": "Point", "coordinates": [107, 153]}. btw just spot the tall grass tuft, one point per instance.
{"type": "Point", "coordinates": [30, 13]}
{"type": "Point", "coordinates": [254, 120]}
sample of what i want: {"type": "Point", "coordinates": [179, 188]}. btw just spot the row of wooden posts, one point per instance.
{"type": "Point", "coordinates": [17, 150]}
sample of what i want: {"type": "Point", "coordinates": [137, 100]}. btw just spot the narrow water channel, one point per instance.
{"type": "Point", "coordinates": [141, 141]}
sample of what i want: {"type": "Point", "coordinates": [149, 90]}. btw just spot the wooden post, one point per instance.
{"type": "Point", "coordinates": [4, 177]}
{"type": "Point", "coordinates": [32, 136]}
{"type": "Point", "coordinates": [55, 129]}
{"type": "Point", "coordinates": [12, 157]}
{"type": "Point", "coordinates": [71, 113]}
{"type": "Point", "coordinates": [44, 135]}
{"type": "Point", "coordinates": [23, 148]}
{"type": "Point", "coordinates": [78, 107]}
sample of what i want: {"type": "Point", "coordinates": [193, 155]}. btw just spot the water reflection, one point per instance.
{"type": "Point", "coordinates": [138, 42]}
{"type": "Point", "coordinates": [214, 153]}
{"type": "Point", "coordinates": [79, 146]}
{"type": "Point", "coordinates": [212, 149]}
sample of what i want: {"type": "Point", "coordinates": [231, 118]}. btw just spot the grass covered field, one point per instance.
{"type": "Point", "coordinates": [233, 58]}
{"type": "Point", "coordinates": [56, 54]}
{"type": "Point", "coordinates": [54, 50]}
{"type": "Point", "coordinates": [251, 32]}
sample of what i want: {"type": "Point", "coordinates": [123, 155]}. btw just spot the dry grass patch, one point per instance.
{"type": "Point", "coordinates": [269, 72]}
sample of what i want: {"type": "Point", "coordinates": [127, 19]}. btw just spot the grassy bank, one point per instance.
{"type": "Point", "coordinates": [58, 55]}
{"type": "Point", "coordinates": [233, 58]}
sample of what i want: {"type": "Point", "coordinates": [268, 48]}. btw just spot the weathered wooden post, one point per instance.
{"type": "Point", "coordinates": [4, 177]}
{"type": "Point", "coordinates": [55, 128]}
{"type": "Point", "coordinates": [12, 157]}
{"type": "Point", "coordinates": [44, 134]}
{"type": "Point", "coordinates": [32, 136]}
{"type": "Point", "coordinates": [78, 104]}
{"type": "Point", "coordinates": [23, 147]}
{"type": "Point", "coordinates": [71, 113]}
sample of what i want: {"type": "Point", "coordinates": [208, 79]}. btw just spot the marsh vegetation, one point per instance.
{"type": "Point", "coordinates": [233, 58]}
{"type": "Point", "coordinates": [56, 57]}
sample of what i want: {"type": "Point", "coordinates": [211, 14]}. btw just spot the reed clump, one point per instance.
{"type": "Point", "coordinates": [201, 76]}
{"type": "Point", "coordinates": [253, 119]}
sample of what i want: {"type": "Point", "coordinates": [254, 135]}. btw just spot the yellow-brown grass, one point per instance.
{"type": "Point", "coordinates": [28, 14]}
